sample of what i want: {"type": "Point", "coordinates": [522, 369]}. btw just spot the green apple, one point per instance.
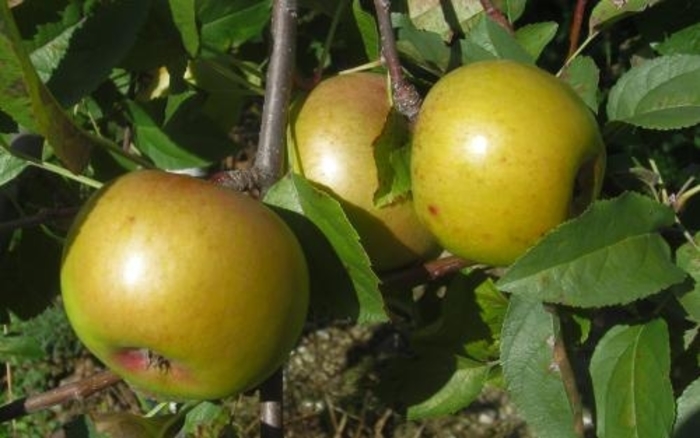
{"type": "Point", "coordinates": [185, 289]}
{"type": "Point", "coordinates": [332, 138]}
{"type": "Point", "coordinates": [502, 152]}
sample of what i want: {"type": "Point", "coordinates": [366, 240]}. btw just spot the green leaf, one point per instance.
{"type": "Point", "coordinates": [186, 22]}
{"type": "Point", "coordinates": [432, 382]}
{"type": "Point", "coordinates": [532, 376]}
{"type": "Point", "coordinates": [363, 300]}
{"type": "Point", "coordinates": [368, 30]}
{"type": "Point", "coordinates": [534, 37]}
{"type": "Point", "coordinates": [85, 53]}
{"type": "Point", "coordinates": [658, 94]}
{"type": "Point", "coordinates": [688, 259]}
{"type": "Point", "coordinates": [469, 319]}
{"type": "Point", "coordinates": [14, 347]}
{"type": "Point", "coordinates": [206, 417]}
{"type": "Point", "coordinates": [463, 387]}
{"type": "Point", "coordinates": [15, 97]}
{"type": "Point", "coordinates": [444, 18]}
{"type": "Point", "coordinates": [609, 255]}
{"type": "Point", "coordinates": [582, 75]}
{"type": "Point", "coordinates": [685, 41]}
{"type": "Point", "coordinates": [225, 25]}
{"type": "Point", "coordinates": [392, 166]}
{"type": "Point", "coordinates": [27, 101]}
{"type": "Point", "coordinates": [128, 425]}
{"type": "Point", "coordinates": [628, 365]}
{"type": "Point", "coordinates": [29, 274]}
{"type": "Point", "coordinates": [155, 143]}
{"type": "Point", "coordinates": [488, 40]}
{"type": "Point", "coordinates": [688, 412]}
{"type": "Point", "coordinates": [493, 305]}
{"type": "Point", "coordinates": [426, 49]}
{"type": "Point", "coordinates": [512, 9]}
{"type": "Point", "coordinates": [10, 166]}
{"type": "Point", "coordinates": [607, 12]}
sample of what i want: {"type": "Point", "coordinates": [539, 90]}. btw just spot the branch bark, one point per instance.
{"type": "Point", "coordinates": [268, 167]}
{"type": "Point", "coordinates": [406, 99]}
{"type": "Point", "coordinates": [429, 271]}
{"type": "Point", "coordinates": [269, 158]}
{"type": "Point", "coordinates": [576, 25]}
{"type": "Point", "coordinates": [72, 391]}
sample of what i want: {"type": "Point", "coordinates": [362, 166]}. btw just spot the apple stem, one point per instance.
{"type": "Point", "coordinates": [73, 391]}
{"type": "Point", "coordinates": [406, 99]}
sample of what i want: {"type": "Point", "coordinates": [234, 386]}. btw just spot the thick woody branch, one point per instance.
{"type": "Point", "coordinates": [268, 167]}
{"type": "Point", "coordinates": [269, 159]}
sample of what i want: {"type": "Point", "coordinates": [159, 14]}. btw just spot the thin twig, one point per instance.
{"type": "Point", "coordinates": [73, 391]}
{"type": "Point", "coordinates": [406, 99]}
{"type": "Point", "coordinates": [429, 271]}
{"type": "Point", "coordinates": [566, 371]}
{"type": "Point", "coordinates": [576, 25]}
{"type": "Point", "coordinates": [40, 218]}
{"type": "Point", "coordinates": [496, 15]}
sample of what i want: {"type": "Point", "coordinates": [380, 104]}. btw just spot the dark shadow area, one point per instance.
{"type": "Point", "coordinates": [332, 291]}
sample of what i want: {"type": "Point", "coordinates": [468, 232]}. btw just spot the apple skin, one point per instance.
{"type": "Point", "coordinates": [498, 152]}
{"type": "Point", "coordinates": [187, 290]}
{"type": "Point", "coordinates": [332, 137]}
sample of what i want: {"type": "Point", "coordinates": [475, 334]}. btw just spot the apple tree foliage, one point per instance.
{"type": "Point", "coordinates": [596, 327]}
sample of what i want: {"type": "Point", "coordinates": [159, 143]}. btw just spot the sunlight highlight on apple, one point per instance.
{"type": "Point", "coordinates": [133, 269]}
{"type": "Point", "coordinates": [478, 146]}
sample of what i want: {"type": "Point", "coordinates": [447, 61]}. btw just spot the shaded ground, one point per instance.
{"type": "Point", "coordinates": [324, 396]}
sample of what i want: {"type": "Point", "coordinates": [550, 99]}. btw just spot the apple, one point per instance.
{"type": "Point", "coordinates": [502, 152]}
{"type": "Point", "coordinates": [185, 289]}
{"type": "Point", "coordinates": [332, 140]}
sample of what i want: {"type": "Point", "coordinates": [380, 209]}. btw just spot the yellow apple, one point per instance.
{"type": "Point", "coordinates": [502, 152]}
{"type": "Point", "coordinates": [332, 138]}
{"type": "Point", "coordinates": [185, 289]}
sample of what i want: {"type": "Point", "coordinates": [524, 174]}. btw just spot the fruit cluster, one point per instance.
{"type": "Point", "coordinates": [192, 291]}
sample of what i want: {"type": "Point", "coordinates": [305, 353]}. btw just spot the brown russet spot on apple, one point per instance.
{"type": "Point", "coordinates": [433, 210]}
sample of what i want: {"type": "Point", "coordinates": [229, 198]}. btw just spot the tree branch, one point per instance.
{"type": "Point", "coordinates": [576, 24]}
{"type": "Point", "coordinates": [406, 99]}
{"type": "Point", "coordinates": [566, 371]}
{"type": "Point", "coordinates": [73, 391]}
{"type": "Point", "coordinates": [268, 167]}
{"type": "Point", "coordinates": [39, 218]}
{"type": "Point", "coordinates": [269, 158]}
{"type": "Point", "coordinates": [429, 271]}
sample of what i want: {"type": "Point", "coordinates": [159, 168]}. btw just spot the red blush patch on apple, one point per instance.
{"type": "Point", "coordinates": [143, 359]}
